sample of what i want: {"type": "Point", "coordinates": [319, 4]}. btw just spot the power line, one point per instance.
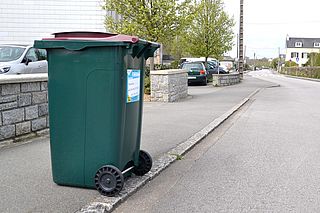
{"type": "Point", "coordinates": [283, 23]}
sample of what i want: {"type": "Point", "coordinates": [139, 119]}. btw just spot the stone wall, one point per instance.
{"type": "Point", "coordinates": [221, 80]}
{"type": "Point", "coordinates": [169, 85]}
{"type": "Point", "coordinates": [23, 106]}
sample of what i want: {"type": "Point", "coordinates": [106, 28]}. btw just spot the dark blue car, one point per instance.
{"type": "Point", "coordinates": [197, 72]}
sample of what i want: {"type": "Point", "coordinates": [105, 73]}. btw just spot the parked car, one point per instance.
{"type": "Point", "coordinates": [214, 68]}
{"type": "Point", "coordinates": [197, 72]}
{"type": "Point", "coordinates": [202, 59]}
{"type": "Point", "coordinates": [22, 59]}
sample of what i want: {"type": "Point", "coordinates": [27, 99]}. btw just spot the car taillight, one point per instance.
{"type": "Point", "coordinates": [202, 72]}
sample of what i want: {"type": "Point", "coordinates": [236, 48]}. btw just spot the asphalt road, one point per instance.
{"type": "Point", "coordinates": [25, 172]}
{"type": "Point", "coordinates": [266, 158]}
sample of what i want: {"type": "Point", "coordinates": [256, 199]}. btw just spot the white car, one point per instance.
{"type": "Point", "coordinates": [22, 59]}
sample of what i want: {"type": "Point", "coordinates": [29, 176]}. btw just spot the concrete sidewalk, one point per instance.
{"type": "Point", "coordinates": [168, 124]}
{"type": "Point", "coordinates": [25, 179]}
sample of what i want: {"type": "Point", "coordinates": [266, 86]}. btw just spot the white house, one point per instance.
{"type": "Point", "coordinates": [23, 21]}
{"type": "Point", "coordinates": [298, 49]}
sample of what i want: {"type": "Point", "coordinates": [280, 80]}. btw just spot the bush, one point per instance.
{"type": "Point", "coordinates": [162, 67]}
{"type": "Point", "coordinates": [147, 89]}
{"type": "Point", "coordinates": [246, 66]}
{"type": "Point", "coordinates": [308, 72]}
{"type": "Point", "coordinates": [274, 63]}
{"type": "Point", "coordinates": [175, 64]}
{"type": "Point", "coordinates": [147, 71]}
{"type": "Point", "coordinates": [291, 64]}
{"type": "Point", "coordinates": [314, 60]}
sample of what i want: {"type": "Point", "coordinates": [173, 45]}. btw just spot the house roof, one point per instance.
{"type": "Point", "coordinates": [306, 42]}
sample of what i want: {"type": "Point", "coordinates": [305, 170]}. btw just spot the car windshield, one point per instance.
{"type": "Point", "coordinates": [10, 53]}
{"type": "Point", "coordinates": [192, 66]}
{"type": "Point", "coordinates": [213, 63]}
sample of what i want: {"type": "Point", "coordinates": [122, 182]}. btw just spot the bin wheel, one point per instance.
{"type": "Point", "coordinates": [145, 164]}
{"type": "Point", "coordinates": [109, 180]}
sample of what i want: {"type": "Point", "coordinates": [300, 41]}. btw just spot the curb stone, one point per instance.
{"type": "Point", "coordinates": [103, 204]}
{"type": "Point", "coordinates": [302, 78]}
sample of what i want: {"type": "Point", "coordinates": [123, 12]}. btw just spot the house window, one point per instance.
{"type": "Point", "coordinates": [316, 44]}
{"type": "Point", "coordinates": [294, 55]}
{"type": "Point", "coordinates": [305, 55]}
{"type": "Point", "coordinates": [298, 44]}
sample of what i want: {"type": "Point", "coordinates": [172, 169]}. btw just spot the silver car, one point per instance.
{"type": "Point", "coordinates": [22, 59]}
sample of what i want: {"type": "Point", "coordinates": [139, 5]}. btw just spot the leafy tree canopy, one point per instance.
{"type": "Point", "coordinates": [211, 32]}
{"type": "Point", "coordinates": [154, 20]}
{"type": "Point", "coordinates": [314, 60]}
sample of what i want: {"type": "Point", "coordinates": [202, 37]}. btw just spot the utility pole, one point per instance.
{"type": "Point", "coordinates": [241, 59]}
{"type": "Point", "coordinates": [279, 60]}
{"type": "Point", "coordinates": [244, 55]}
{"type": "Point", "coordinates": [254, 62]}
{"type": "Point", "coordinates": [238, 46]}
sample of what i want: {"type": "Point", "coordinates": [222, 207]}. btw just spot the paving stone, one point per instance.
{"type": "Point", "coordinates": [23, 128]}
{"type": "Point", "coordinates": [39, 97]}
{"type": "Point", "coordinates": [44, 86]}
{"type": "Point", "coordinates": [10, 89]}
{"type": "Point", "coordinates": [38, 124]}
{"type": "Point", "coordinates": [7, 106]}
{"type": "Point", "coordinates": [9, 98]}
{"type": "Point", "coordinates": [48, 121]}
{"type": "Point", "coordinates": [24, 99]}
{"type": "Point", "coordinates": [30, 87]}
{"type": "Point", "coordinates": [43, 109]}
{"type": "Point", "coordinates": [32, 112]}
{"type": "Point", "coordinates": [7, 132]}
{"type": "Point", "coordinates": [12, 116]}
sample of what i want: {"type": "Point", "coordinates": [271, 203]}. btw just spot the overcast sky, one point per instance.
{"type": "Point", "coordinates": [268, 22]}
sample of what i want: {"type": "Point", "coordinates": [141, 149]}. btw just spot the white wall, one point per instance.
{"type": "Point", "coordinates": [300, 51]}
{"type": "Point", "coordinates": [22, 21]}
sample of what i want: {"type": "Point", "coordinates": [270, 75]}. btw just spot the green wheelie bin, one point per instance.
{"type": "Point", "coordinates": [96, 87]}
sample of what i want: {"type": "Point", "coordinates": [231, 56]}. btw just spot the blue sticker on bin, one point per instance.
{"type": "Point", "coordinates": [133, 86]}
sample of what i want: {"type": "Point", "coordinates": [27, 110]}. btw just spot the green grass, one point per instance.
{"type": "Point", "coordinates": [178, 157]}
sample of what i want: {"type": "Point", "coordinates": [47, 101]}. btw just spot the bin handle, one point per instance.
{"type": "Point", "coordinates": [150, 52]}
{"type": "Point", "coordinates": [140, 51]}
{"type": "Point", "coordinates": [74, 47]}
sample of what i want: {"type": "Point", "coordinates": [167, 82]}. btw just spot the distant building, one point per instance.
{"type": "Point", "coordinates": [298, 49]}
{"type": "Point", "coordinates": [22, 21]}
{"type": "Point", "coordinates": [227, 63]}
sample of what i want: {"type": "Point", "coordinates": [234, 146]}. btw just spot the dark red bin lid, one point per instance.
{"type": "Point", "coordinates": [93, 36]}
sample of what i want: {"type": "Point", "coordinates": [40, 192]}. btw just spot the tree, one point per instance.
{"type": "Point", "coordinates": [274, 63]}
{"type": "Point", "coordinates": [153, 20]}
{"type": "Point", "coordinates": [176, 47]}
{"type": "Point", "coordinates": [314, 60]}
{"type": "Point", "coordinates": [210, 33]}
